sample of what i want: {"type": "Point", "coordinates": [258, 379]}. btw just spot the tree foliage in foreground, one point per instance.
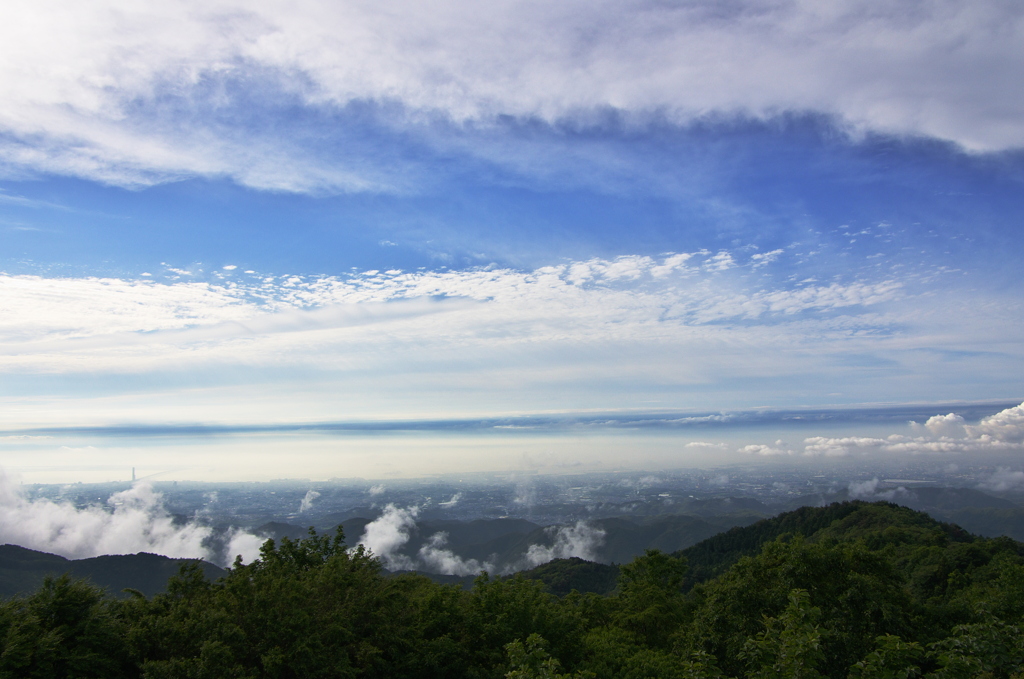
{"type": "Point", "coordinates": [871, 592]}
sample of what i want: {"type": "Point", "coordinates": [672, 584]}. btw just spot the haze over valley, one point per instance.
{"type": "Point", "coordinates": [956, 470]}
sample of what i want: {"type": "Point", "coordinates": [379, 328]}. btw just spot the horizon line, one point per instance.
{"type": "Point", "coordinates": [553, 422]}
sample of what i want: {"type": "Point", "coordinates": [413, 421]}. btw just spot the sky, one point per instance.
{"type": "Point", "coordinates": [328, 239]}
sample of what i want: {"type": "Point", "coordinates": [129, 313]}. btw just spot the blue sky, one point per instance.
{"type": "Point", "coordinates": [226, 214]}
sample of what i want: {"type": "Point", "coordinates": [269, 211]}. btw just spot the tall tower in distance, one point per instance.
{"type": "Point", "coordinates": [133, 474]}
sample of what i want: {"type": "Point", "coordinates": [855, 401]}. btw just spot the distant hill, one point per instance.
{"type": "Point", "coordinates": [843, 521]}
{"type": "Point", "coordinates": [463, 581]}
{"type": "Point", "coordinates": [992, 521]}
{"type": "Point", "coordinates": [23, 570]}
{"type": "Point", "coordinates": [562, 576]}
{"type": "Point", "coordinates": [275, 530]}
{"type": "Point", "coordinates": [977, 511]}
{"type": "Point", "coordinates": [559, 577]}
{"type": "Point", "coordinates": [709, 558]}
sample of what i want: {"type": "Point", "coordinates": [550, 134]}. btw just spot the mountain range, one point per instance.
{"type": "Point", "coordinates": [716, 534]}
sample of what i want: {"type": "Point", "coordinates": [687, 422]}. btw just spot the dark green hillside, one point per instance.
{"type": "Point", "coordinates": [625, 540]}
{"type": "Point", "coordinates": [716, 554]}
{"type": "Point", "coordinates": [23, 570]}
{"type": "Point", "coordinates": [562, 576]}
{"type": "Point", "coordinates": [147, 573]}
{"type": "Point", "coordinates": [869, 569]}
{"type": "Point", "coordinates": [876, 523]}
{"type": "Point", "coordinates": [972, 509]}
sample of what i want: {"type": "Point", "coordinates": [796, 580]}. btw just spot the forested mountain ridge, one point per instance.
{"type": "Point", "coordinates": [976, 511]}
{"type": "Point", "coordinates": [841, 521]}
{"type": "Point", "coordinates": [845, 521]}
{"type": "Point", "coordinates": [23, 570]}
{"type": "Point", "coordinates": [874, 590]}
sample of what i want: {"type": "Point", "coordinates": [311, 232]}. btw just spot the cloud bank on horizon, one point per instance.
{"type": "Point", "coordinates": [227, 212]}
{"type": "Point", "coordinates": [943, 435]}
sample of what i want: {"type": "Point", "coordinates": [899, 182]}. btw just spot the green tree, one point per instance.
{"type": "Point", "coordinates": [790, 645]}
{"type": "Point", "coordinates": [530, 660]}
{"type": "Point", "coordinates": [501, 611]}
{"type": "Point", "coordinates": [651, 597]}
{"type": "Point", "coordinates": [892, 658]}
{"type": "Point", "coordinates": [993, 649]}
{"type": "Point", "coordinates": [64, 629]}
{"type": "Point", "coordinates": [305, 609]}
{"type": "Point", "coordinates": [861, 595]}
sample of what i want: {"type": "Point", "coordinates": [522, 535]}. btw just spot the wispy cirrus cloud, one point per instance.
{"type": "Point", "coordinates": [399, 345]}
{"type": "Point", "coordinates": [630, 299]}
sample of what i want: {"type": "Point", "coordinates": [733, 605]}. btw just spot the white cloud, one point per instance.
{"type": "Point", "coordinates": [388, 533]}
{"type": "Point", "coordinates": [579, 328]}
{"type": "Point", "coordinates": [868, 490]}
{"type": "Point", "coordinates": [1006, 425]}
{"type": "Point", "coordinates": [942, 434]}
{"type": "Point", "coordinates": [1004, 479]}
{"type": "Point", "coordinates": [307, 501]}
{"type": "Point", "coordinates": [706, 444]}
{"type": "Point", "coordinates": [670, 264]}
{"type": "Point", "coordinates": [896, 444]}
{"type": "Point", "coordinates": [720, 262]}
{"type": "Point", "coordinates": [438, 559]}
{"type": "Point", "coordinates": [35, 308]}
{"type": "Point", "coordinates": [133, 93]}
{"type": "Point", "coordinates": [764, 258]}
{"type": "Point", "coordinates": [93, 323]}
{"type": "Point", "coordinates": [764, 450]}
{"type": "Point", "coordinates": [134, 520]}
{"type": "Point", "coordinates": [864, 488]}
{"type": "Point", "coordinates": [580, 540]}
{"type": "Point", "coordinates": [837, 447]}
{"type": "Point", "coordinates": [951, 425]}
{"type": "Point", "coordinates": [245, 545]}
